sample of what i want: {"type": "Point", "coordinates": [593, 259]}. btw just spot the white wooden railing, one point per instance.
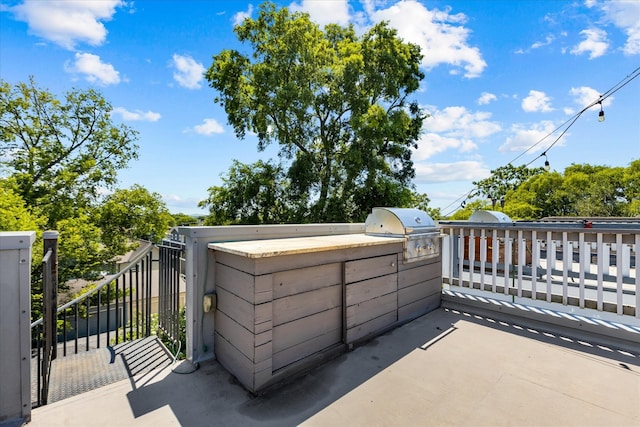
{"type": "Point", "coordinates": [586, 265]}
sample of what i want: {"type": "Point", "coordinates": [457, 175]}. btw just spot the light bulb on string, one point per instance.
{"type": "Point", "coordinates": [601, 114]}
{"type": "Point", "coordinates": [547, 166]}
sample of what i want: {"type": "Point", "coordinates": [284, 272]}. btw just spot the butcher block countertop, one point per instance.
{"type": "Point", "coordinates": [300, 245]}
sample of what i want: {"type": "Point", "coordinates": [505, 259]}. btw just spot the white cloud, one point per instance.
{"type": "Point", "coordinates": [137, 115]}
{"type": "Point", "coordinates": [188, 72]}
{"type": "Point", "coordinates": [486, 98]}
{"type": "Point", "coordinates": [523, 137]}
{"type": "Point", "coordinates": [431, 144]}
{"type": "Point", "coordinates": [458, 121]}
{"type": "Point", "coordinates": [453, 128]}
{"type": "Point", "coordinates": [586, 95]}
{"type": "Point", "coordinates": [626, 16]}
{"type": "Point", "coordinates": [179, 201]}
{"type": "Point", "coordinates": [595, 43]}
{"type": "Point", "coordinates": [207, 128]}
{"type": "Point", "coordinates": [93, 69]}
{"type": "Point", "coordinates": [67, 23]}
{"type": "Point", "coordinates": [440, 34]}
{"type": "Point", "coordinates": [241, 16]}
{"type": "Point", "coordinates": [449, 172]}
{"type": "Point", "coordinates": [537, 102]}
{"type": "Point", "coordinates": [547, 41]}
{"type": "Point", "coordinates": [324, 12]}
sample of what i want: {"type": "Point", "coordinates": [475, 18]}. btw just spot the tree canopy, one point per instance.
{"type": "Point", "coordinates": [133, 213]}
{"type": "Point", "coordinates": [583, 190]}
{"type": "Point", "coordinates": [58, 156]}
{"type": "Point", "coordinates": [60, 153]}
{"type": "Point", "coordinates": [504, 179]}
{"type": "Point", "coordinates": [337, 104]}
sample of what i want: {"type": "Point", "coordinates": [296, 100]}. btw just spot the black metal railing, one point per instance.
{"type": "Point", "coordinates": [43, 334]}
{"type": "Point", "coordinates": [171, 278]}
{"type": "Point", "coordinates": [117, 310]}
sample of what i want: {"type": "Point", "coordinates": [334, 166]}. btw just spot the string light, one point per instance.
{"type": "Point", "coordinates": [566, 125]}
{"type": "Point", "coordinates": [547, 166]}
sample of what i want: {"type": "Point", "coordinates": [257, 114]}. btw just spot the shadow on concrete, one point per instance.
{"type": "Point", "coordinates": [211, 396]}
{"type": "Point", "coordinates": [211, 393]}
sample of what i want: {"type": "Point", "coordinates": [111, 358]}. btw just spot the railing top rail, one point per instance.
{"type": "Point", "coordinates": [47, 256]}
{"type": "Point", "coordinates": [134, 261]}
{"type": "Point", "coordinates": [624, 228]}
{"type": "Point", "coordinates": [84, 296]}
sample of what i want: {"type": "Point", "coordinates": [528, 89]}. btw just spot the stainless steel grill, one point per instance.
{"type": "Point", "coordinates": [422, 237]}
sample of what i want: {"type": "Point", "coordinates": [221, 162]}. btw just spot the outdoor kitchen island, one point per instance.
{"type": "Point", "coordinates": [285, 305]}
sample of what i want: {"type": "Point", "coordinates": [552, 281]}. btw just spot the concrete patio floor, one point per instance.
{"type": "Point", "coordinates": [446, 368]}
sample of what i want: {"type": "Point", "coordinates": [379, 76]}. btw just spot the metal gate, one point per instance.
{"type": "Point", "coordinates": [171, 291]}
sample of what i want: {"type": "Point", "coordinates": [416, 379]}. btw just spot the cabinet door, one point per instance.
{"type": "Point", "coordinates": [307, 312]}
{"type": "Point", "coordinates": [367, 268]}
{"type": "Point", "coordinates": [371, 295]}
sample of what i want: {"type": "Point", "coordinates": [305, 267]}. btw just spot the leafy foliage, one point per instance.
{"type": "Point", "coordinates": [250, 194]}
{"type": "Point", "coordinates": [15, 215]}
{"type": "Point", "coordinates": [583, 190]}
{"type": "Point", "coordinates": [337, 105]}
{"type": "Point", "coordinates": [57, 156]}
{"type": "Point", "coordinates": [60, 152]}
{"type": "Point", "coordinates": [504, 179]}
{"type": "Point", "coordinates": [183, 219]}
{"type": "Point", "coordinates": [129, 214]}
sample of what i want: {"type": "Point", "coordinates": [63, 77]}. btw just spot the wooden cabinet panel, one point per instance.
{"type": "Point", "coordinates": [362, 269]}
{"type": "Point", "coordinates": [370, 289]}
{"type": "Point", "coordinates": [300, 280]}
{"type": "Point", "coordinates": [368, 310]}
{"type": "Point", "coordinates": [306, 328]}
{"type": "Point", "coordinates": [305, 304]}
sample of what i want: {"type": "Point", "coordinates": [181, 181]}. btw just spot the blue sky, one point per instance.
{"type": "Point", "coordinates": [500, 76]}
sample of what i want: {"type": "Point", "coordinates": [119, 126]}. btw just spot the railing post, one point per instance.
{"type": "Point", "coordinates": [50, 239]}
{"type": "Point", "coordinates": [15, 316]}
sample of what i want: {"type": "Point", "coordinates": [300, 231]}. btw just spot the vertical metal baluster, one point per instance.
{"type": "Point", "coordinates": [566, 266]}
{"type": "Point", "coordinates": [495, 254]}
{"type": "Point", "coordinates": [507, 262]}
{"type": "Point", "coordinates": [535, 259]}
{"type": "Point", "coordinates": [582, 249]}
{"type": "Point", "coordinates": [619, 289]}
{"type": "Point", "coordinates": [600, 254]}
{"type": "Point", "coordinates": [521, 260]}
{"type": "Point", "coordinates": [635, 268]}
{"type": "Point", "coordinates": [98, 329]}
{"type": "Point", "coordinates": [551, 260]}
{"type": "Point", "coordinates": [483, 257]}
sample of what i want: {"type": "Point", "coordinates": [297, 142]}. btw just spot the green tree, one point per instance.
{"type": "Point", "coordinates": [468, 209]}
{"type": "Point", "coordinates": [541, 196]}
{"type": "Point", "coordinates": [250, 194]}
{"type": "Point", "coordinates": [60, 152]}
{"type": "Point", "coordinates": [337, 104]}
{"type": "Point", "coordinates": [133, 213]}
{"type": "Point", "coordinates": [503, 180]}
{"type": "Point", "coordinates": [15, 215]}
{"type": "Point", "coordinates": [631, 183]}
{"type": "Point", "coordinates": [81, 253]}
{"type": "Point", "coordinates": [582, 190]}
{"type": "Point", "coordinates": [600, 189]}
{"type": "Point", "coordinates": [183, 219]}
{"type": "Point", "coordinates": [421, 201]}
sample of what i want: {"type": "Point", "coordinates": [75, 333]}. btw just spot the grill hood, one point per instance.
{"type": "Point", "coordinates": [422, 237]}
{"type": "Point", "coordinates": [398, 222]}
